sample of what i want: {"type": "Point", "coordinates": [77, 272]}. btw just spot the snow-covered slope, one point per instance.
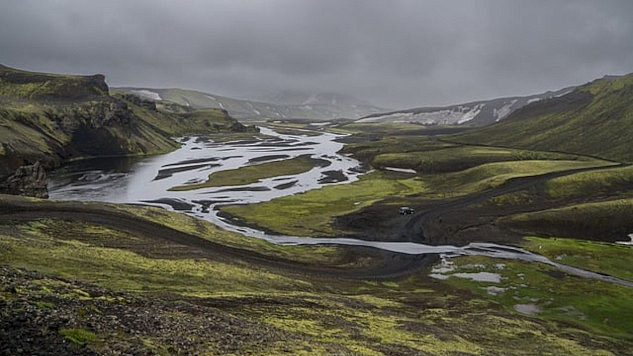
{"type": "Point", "coordinates": [477, 113]}
{"type": "Point", "coordinates": [281, 106]}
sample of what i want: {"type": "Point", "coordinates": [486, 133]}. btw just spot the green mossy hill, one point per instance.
{"type": "Point", "coordinates": [42, 86]}
{"type": "Point", "coordinates": [52, 118]}
{"type": "Point", "coordinates": [427, 155]}
{"type": "Point", "coordinates": [610, 221]}
{"type": "Point", "coordinates": [595, 119]}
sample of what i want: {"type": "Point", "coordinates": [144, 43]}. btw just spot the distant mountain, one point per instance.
{"type": "Point", "coordinates": [280, 106]}
{"type": "Point", "coordinates": [477, 113]}
{"type": "Point", "coordinates": [295, 97]}
{"type": "Point", "coordinates": [594, 119]}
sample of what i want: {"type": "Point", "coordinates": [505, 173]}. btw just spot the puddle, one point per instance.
{"type": "Point", "coordinates": [528, 309]}
{"type": "Point", "coordinates": [493, 290]}
{"type": "Point", "coordinates": [480, 276]}
{"type": "Point", "coordinates": [401, 170]}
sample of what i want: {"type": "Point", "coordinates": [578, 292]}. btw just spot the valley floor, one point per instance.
{"type": "Point", "coordinates": [97, 278]}
{"type": "Point", "coordinates": [74, 282]}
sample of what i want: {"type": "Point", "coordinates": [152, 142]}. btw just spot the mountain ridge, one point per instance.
{"type": "Point", "coordinates": [474, 113]}
{"type": "Point", "coordinates": [595, 119]}
{"type": "Point", "coordinates": [314, 106]}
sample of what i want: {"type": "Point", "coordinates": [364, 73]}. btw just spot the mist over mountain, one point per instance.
{"type": "Point", "coordinates": [285, 105]}
{"type": "Point", "coordinates": [393, 54]}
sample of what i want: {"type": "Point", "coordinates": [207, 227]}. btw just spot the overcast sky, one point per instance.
{"type": "Point", "coordinates": [391, 53]}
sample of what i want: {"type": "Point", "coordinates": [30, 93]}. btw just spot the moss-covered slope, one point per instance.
{"type": "Point", "coordinates": [51, 118]}
{"type": "Point", "coordinates": [595, 119]}
{"type": "Point", "coordinates": [82, 278]}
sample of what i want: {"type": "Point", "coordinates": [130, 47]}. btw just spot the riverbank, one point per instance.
{"type": "Point", "coordinates": [84, 269]}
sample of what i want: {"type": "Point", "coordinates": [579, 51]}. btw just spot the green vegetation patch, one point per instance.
{"type": "Point", "coordinates": [252, 174]}
{"type": "Point", "coordinates": [121, 269]}
{"type": "Point", "coordinates": [453, 159]}
{"type": "Point", "coordinates": [295, 128]}
{"type": "Point", "coordinates": [544, 292]}
{"type": "Point", "coordinates": [605, 221]}
{"type": "Point", "coordinates": [78, 336]}
{"type": "Point", "coordinates": [310, 213]}
{"type": "Point", "coordinates": [600, 257]}
{"type": "Point", "coordinates": [21, 84]}
{"type": "Point", "coordinates": [100, 236]}
{"type": "Point", "coordinates": [381, 128]}
{"type": "Point", "coordinates": [610, 180]}
{"type": "Point", "coordinates": [492, 175]}
{"type": "Point", "coordinates": [367, 150]}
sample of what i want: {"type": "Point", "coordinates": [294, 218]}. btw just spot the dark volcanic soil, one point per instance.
{"type": "Point", "coordinates": [36, 309]}
{"type": "Point", "coordinates": [456, 221]}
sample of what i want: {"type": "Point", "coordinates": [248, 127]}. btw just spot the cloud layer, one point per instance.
{"type": "Point", "coordinates": [391, 53]}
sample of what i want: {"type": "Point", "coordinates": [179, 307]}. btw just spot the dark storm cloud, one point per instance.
{"type": "Point", "coordinates": [393, 53]}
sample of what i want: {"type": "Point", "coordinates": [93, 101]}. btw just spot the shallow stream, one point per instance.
{"type": "Point", "coordinates": [147, 180]}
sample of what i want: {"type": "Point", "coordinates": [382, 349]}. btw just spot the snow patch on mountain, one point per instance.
{"type": "Point", "coordinates": [504, 111]}
{"type": "Point", "coordinates": [476, 113]}
{"type": "Point", "coordinates": [457, 115]}
{"type": "Point", "coordinates": [147, 94]}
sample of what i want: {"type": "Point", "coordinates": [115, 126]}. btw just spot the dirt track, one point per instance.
{"type": "Point", "coordinates": [451, 221]}
{"type": "Point", "coordinates": [384, 264]}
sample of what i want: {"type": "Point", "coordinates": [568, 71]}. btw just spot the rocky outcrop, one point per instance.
{"type": "Point", "coordinates": [137, 100]}
{"type": "Point", "coordinates": [29, 180]}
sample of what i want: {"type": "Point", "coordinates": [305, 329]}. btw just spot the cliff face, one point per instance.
{"type": "Point", "coordinates": [27, 180]}
{"type": "Point", "coordinates": [47, 119]}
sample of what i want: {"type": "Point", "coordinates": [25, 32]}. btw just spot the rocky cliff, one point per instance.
{"type": "Point", "coordinates": [48, 119]}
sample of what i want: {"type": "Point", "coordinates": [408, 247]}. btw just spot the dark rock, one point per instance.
{"type": "Point", "coordinates": [28, 180]}
{"type": "Point", "coordinates": [333, 177]}
{"type": "Point", "coordinates": [148, 104]}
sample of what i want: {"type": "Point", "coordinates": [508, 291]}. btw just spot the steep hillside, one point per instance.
{"type": "Point", "coordinates": [478, 113]}
{"type": "Point", "coordinates": [282, 106]}
{"type": "Point", "coordinates": [595, 119]}
{"type": "Point", "coordinates": [51, 118]}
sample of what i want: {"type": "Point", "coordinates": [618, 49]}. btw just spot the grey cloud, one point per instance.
{"type": "Point", "coordinates": [392, 53]}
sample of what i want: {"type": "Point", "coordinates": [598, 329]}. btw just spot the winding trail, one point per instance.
{"type": "Point", "coordinates": [388, 264]}
{"type": "Point", "coordinates": [393, 259]}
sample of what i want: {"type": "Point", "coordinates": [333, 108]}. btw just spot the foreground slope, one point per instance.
{"type": "Point", "coordinates": [99, 279]}
{"type": "Point", "coordinates": [595, 119]}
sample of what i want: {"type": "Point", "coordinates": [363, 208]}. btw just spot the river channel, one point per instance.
{"type": "Point", "coordinates": [147, 181]}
